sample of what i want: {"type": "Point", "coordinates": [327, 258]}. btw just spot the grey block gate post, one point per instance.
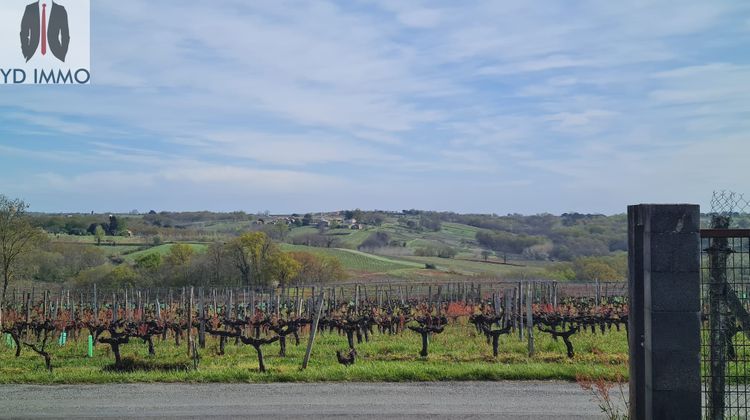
{"type": "Point", "coordinates": [664, 319]}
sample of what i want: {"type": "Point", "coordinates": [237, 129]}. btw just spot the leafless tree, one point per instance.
{"type": "Point", "coordinates": [17, 238]}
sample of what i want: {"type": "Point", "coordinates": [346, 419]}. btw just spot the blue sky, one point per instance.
{"type": "Point", "coordinates": [474, 106]}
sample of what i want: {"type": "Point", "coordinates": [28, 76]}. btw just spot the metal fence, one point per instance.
{"type": "Point", "coordinates": [725, 299]}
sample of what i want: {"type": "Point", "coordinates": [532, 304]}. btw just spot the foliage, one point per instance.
{"type": "Point", "coordinates": [56, 262]}
{"type": "Point", "coordinates": [99, 234]}
{"type": "Point", "coordinates": [17, 238]}
{"type": "Point", "coordinates": [376, 240]}
{"type": "Point", "coordinates": [612, 268]}
{"type": "Point", "coordinates": [571, 234]}
{"type": "Point", "coordinates": [183, 219]}
{"type": "Point", "coordinates": [68, 224]}
{"type": "Point", "coordinates": [217, 265]}
{"type": "Point", "coordinates": [179, 254]}
{"type": "Point", "coordinates": [151, 261]}
{"type": "Point", "coordinates": [317, 268]}
{"type": "Point", "coordinates": [507, 242]}
{"type": "Point", "coordinates": [316, 239]}
{"type": "Point", "coordinates": [284, 268]}
{"type": "Point", "coordinates": [353, 214]}
{"type": "Point", "coordinates": [277, 231]}
{"type": "Point", "coordinates": [373, 218]}
{"type": "Point", "coordinates": [114, 228]}
{"type": "Point", "coordinates": [122, 276]}
{"type": "Point", "coordinates": [561, 272]}
{"type": "Point", "coordinates": [430, 222]}
{"type": "Point", "coordinates": [443, 251]}
{"type": "Point", "coordinates": [404, 241]}
{"type": "Point", "coordinates": [261, 262]}
{"type": "Point", "coordinates": [250, 253]}
{"type": "Point", "coordinates": [96, 275]}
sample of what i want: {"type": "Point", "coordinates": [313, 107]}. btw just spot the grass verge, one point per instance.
{"type": "Point", "coordinates": [459, 354]}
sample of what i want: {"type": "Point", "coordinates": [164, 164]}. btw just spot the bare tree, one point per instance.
{"type": "Point", "coordinates": [216, 256]}
{"type": "Point", "coordinates": [17, 237]}
{"type": "Point", "coordinates": [241, 260]}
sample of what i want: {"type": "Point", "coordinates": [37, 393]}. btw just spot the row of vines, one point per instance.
{"type": "Point", "coordinates": [261, 319]}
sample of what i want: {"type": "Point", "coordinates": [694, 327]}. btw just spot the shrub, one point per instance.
{"type": "Point", "coordinates": [446, 252]}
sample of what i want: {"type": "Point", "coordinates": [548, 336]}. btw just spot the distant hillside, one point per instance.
{"type": "Point", "coordinates": [408, 244]}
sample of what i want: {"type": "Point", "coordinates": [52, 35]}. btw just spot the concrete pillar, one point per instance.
{"type": "Point", "coordinates": [664, 320]}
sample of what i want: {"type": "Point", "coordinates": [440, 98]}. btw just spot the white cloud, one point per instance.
{"type": "Point", "coordinates": [176, 184]}
{"type": "Point", "coordinates": [580, 119]}
{"type": "Point", "coordinates": [35, 155]}
{"type": "Point", "coordinates": [713, 82]}
{"type": "Point", "coordinates": [551, 62]}
{"type": "Point", "coordinates": [293, 150]}
{"type": "Point", "coordinates": [335, 94]}
{"type": "Point", "coordinates": [51, 123]}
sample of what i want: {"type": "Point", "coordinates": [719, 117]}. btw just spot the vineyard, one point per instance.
{"type": "Point", "coordinates": [373, 332]}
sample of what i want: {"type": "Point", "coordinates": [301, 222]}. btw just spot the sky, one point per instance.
{"type": "Point", "coordinates": [472, 106]}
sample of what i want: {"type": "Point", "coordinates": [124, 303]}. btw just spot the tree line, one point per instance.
{"type": "Point", "coordinates": [252, 260]}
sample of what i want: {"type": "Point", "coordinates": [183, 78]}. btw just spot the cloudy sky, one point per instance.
{"type": "Point", "coordinates": [471, 106]}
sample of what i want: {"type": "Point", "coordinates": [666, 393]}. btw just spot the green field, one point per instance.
{"type": "Point", "coordinates": [457, 230]}
{"type": "Point", "coordinates": [356, 260]}
{"type": "Point", "coordinates": [117, 250]}
{"type": "Point", "coordinates": [396, 261]}
{"type": "Point", "coordinates": [455, 235]}
{"type": "Point", "coordinates": [353, 238]}
{"type": "Point", "coordinates": [407, 267]}
{"type": "Point", "coordinates": [90, 239]}
{"type": "Point", "coordinates": [163, 250]}
{"type": "Point", "coordinates": [304, 230]}
{"type": "Point", "coordinates": [476, 268]}
{"type": "Point", "coordinates": [457, 354]}
{"type": "Point", "coordinates": [222, 226]}
{"type": "Point", "coordinates": [544, 247]}
{"type": "Point", "coordinates": [404, 265]}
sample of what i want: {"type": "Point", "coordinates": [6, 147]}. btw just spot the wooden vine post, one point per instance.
{"type": "Point", "coordinates": [313, 330]}
{"type": "Point", "coordinates": [529, 319]}
{"type": "Point", "coordinates": [190, 324]}
{"type": "Point", "coordinates": [202, 320]}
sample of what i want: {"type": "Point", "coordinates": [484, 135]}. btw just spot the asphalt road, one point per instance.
{"type": "Point", "coordinates": [465, 400]}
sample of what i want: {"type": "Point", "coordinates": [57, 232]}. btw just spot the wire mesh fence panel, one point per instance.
{"type": "Point", "coordinates": [725, 346]}
{"type": "Point", "coordinates": [728, 203]}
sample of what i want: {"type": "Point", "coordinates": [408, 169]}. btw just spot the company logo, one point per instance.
{"type": "Point", "coordinates": [55, 42]}
{"type": "Point", "coordinates": [36, 30]}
